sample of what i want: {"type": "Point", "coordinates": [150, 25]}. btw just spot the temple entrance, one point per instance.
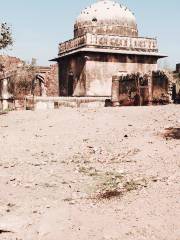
{"type": "Point", "coordinates": [70, 85]}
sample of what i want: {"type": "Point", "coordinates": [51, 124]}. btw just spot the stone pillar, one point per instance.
{"type": "Point", "coordinates": [43, 89]}
{"type": "Point", "coordinates": [116, 81]}
{"type": "Point", "coordinates": [115, 91]}
{"type": "Point", "coordinates": [5, 94]}
{"type": "Point", "coordinates": [150, 80]}
{"type": "Point", "coordinates": [170, 91]}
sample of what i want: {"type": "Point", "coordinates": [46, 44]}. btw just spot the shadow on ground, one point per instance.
{"type": "Point", "coordinates": [172, 133]}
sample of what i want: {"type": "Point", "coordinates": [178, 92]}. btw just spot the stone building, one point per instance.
{"type": "Point", "coordinates": [106, 41]}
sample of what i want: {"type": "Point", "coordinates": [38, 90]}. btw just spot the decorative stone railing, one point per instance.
{"type": "Point", "coordinates": [72, 44]}
{"type": "Point", "coordinates": [110, 42]}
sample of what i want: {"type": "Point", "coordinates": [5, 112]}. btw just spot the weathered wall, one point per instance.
{"type": "Point", "coordinates": [107, 29]}
{"type": "Point", "coordinates": [19, 77]}
{"type": "Point", "coordinates": [160, 87]}
{"type": "Point", "coordinates": [135, 89]}
{"type": "Point", "coordinates": [101, 67]}
{"type": "Point", "coordinates": [10, 62]}
{"type": "Point", "coordinates": [50, 75]}
{"type": "Point", "coordinates": [72, 71]}
{"type": "Point", "coordinates": [141, 89]}
{"type": "Point", "coordinates": [8, 65]}
{"type": "Point", "coordinates": [178, 68]}
{"type": "Point", "coordinates": [92, 72]}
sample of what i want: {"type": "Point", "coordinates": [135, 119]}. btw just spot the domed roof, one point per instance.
{"type": "Point", "coordinates": [106, 17]}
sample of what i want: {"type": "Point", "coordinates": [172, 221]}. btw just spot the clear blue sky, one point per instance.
{"type": "Point", "coordinates": [39, 25]}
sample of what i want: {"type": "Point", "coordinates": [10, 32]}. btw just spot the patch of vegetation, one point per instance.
{"type": "Point", "coordinates": [114, 190]}
{"type": "Point", "coordinates": [89, 171]}
{"type": "Point", "coordinates": [131, 186]}
{"type": "Point", "coordinates": [109, 185]}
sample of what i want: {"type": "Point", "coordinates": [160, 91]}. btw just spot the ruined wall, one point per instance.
{"type": "Point", "coordinates": [101, 67]}
{"type": "Point", "coordinates": [176, 87]}
{"type": "Point", "coordinates": [135, 89]}
{"type": "Point", "coordinates": [19, 77]}
{"type": "Point", "coordinates": [7, 66]}
{"type": "Point", "coordinates": [160, 87]}
{"type": "Point", "coordinates": [13, 64]}
{"type": "Point", "coordinates": [50, 75]}
{"type": "Point", "coordinates": [72, 76]}
{"type": "Point", "coordinates": [178, 68]}
{"type": "Point", "coordinates": [141, 89]}
{"type": "Point", "coordinates": [52, 81]}
{"type": "Point", "coordinates": [10, 62]}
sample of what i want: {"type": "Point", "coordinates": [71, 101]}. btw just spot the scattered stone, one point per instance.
{"type": "Point", "coordinates": [12, 180]}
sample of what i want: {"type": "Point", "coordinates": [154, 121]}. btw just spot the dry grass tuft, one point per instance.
{"type": "Point", "coordinates": [109, 194]}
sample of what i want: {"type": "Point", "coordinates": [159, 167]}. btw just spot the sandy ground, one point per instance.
{"type": "Point", "coordinates": [96, 174]}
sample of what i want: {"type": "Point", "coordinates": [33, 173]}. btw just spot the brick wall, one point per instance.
{"type": "Point", "coordinates": [51, 78]}
{"type": "Point", "coordinates": [50, 73]}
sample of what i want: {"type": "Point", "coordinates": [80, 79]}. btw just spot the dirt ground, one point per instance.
{"type": "Point", "coordinates": [90, 174]}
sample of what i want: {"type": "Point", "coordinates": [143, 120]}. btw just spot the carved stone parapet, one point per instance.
{"type": "Point", "coordinates": [110, 42]}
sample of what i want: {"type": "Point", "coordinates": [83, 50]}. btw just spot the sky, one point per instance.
{"type": "Point", "coordinates": [38, 26]}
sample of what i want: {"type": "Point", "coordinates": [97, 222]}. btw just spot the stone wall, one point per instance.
{"type": "Point", "coordinates": [88, 40]}
{"type": "Point", "coordinates": [101, 68]}
{"type": "Point", "coordinates": [8, 65]}
{"type": "Point", "coordinates": [160, 87]}
{"type": "Point", "coordinates": [51, 79]}
{"type": "Point", "coordinates": [178, 68]}
{"type": "Point", "coordinates": [11, 65]}
{"type": "Point", "coordinates": [72, 78]}
{"type": "Point", "coordinates": [141, 89]}
{"type": "Point", "coordinates": [90, 74]}
{"type": "Point", "coordinates": [176, 86]}
{"type": "Point", "coordinates": [12, 71]}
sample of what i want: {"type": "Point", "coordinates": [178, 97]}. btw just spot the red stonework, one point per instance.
{"type": "Point", "coordinates": [51, 78]}
{"type": "Point", "coordinates": [10, 63]}
{"type": "Point", "coordinates": [50, 73]}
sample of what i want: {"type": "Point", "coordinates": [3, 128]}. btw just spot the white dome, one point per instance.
{"type": "Point", "coordinates": [106, 17]}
